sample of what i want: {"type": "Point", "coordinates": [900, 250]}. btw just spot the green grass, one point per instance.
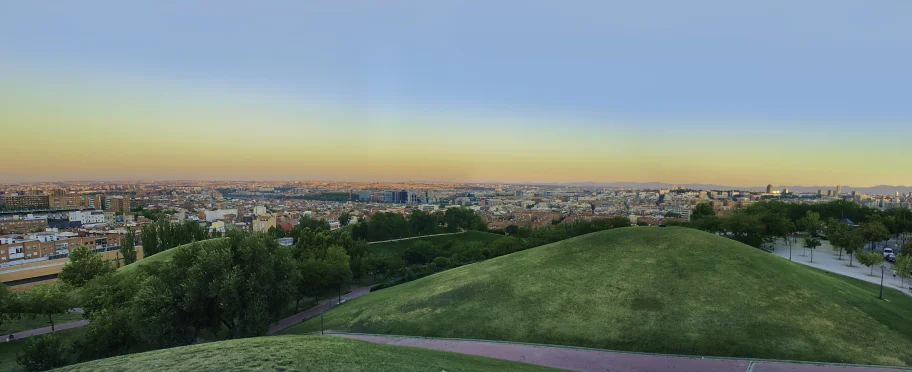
{"type": "Point", "coordinates": [394, 250]}
{"type": "Point", "coordinates": [158, 257]}
{"type": "Point", "coordinates": [300, 353]}
{"type": "Point", "coordinates": [25, 322]}
{"type": "Point", "coordinates": [664, 290]}
{"type": "Point", "coordinates": [8, 350]}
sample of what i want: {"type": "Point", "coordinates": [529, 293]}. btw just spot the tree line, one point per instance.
{"type": "Point", "coordinates": [163, 235]}
{"type": "Point", "coordinates": [391, 225]}
{"type": "Point", "coordinates": [230, 287]}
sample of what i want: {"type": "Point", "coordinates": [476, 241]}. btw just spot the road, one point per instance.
{"type": "Point", "coordinates": [595, 360]}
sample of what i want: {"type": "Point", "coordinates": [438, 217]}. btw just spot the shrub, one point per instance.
{"type": "Point", "coordinates": [42, 353]}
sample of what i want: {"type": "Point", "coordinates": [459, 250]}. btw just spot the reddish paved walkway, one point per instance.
{"type": "Point", "coordinates": [592, 360]}
{"type": "Point", "coordinates": [314, 311]}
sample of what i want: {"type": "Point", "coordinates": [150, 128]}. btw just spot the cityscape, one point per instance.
{"type": "Point", "coordinates": [41, 220]}
{"type": "Point", "coordinates": [414, 186]}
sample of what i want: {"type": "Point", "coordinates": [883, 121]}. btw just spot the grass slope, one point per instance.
{"type": "Point", "coordinates": [300, 353]}
{"type": "Point", "coordinates": [665, 290]}
{"type": "Point", "coordinates": [394, 250]}
{"type": "Point", "coordinates": [158, 257]}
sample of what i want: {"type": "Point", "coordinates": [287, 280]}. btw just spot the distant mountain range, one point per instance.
{"type": "Point", "coordinates": [877, 190]}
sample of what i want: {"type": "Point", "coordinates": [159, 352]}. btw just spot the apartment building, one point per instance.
{"type": "Point", "coordinates": [117, 204]}
{"type": "Point", "coordinates": [68, 201]}
{"type": "Point", "coordinates": [22, 226]}
{"type": "Point", "coordinates": [25, 202]}
{"type": "Point", "coordinates": [264, 222]}
{"type": "Point", "coordinates": [87, 217]}
{"type": "Point", "coordinates": [31, 249]}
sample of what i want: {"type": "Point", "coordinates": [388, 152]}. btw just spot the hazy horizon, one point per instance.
{"type": "Point", "coordinates": [708, 92]}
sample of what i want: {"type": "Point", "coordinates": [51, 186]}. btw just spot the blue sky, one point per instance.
{"type": "Point", "coordinates": [656, 78]}
{"type": "Point", "coordinates": [773, 59]}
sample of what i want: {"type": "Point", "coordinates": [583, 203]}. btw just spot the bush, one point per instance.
{"type": "Point", "coordinates": [42, 353]}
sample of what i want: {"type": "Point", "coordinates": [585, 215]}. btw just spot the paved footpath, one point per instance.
{"type": "Point", "coordinates": [594, 360]}
{"type": "Point", "coordinates": [316, 310]}
{"type": "Point", "coordinates": [825, 258]}
{"type": "Point", "coordinates": [43, 330]}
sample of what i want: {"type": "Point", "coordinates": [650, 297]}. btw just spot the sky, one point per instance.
{"type": "Point", "coordinates": [782, 92]}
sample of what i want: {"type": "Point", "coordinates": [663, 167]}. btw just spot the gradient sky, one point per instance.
{"type": "Point", "coordinates": [782, 92]}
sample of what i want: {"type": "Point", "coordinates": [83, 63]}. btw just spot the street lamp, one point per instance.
{"type": "Point", "coordinates": [883, 269]}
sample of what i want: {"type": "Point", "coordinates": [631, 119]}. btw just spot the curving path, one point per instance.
{"type": "Point", "coordinates": [316, 310]}
{"type": "Point", "coordinates": [595, 360]}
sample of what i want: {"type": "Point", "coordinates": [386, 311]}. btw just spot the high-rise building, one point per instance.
{"type": "Point", "coordinates": [820, 193]}
{"type": "Point", "coordinates": [364, 195]}
{"type": "Point", "coordinates": [25, 202]}
{"type": "Point", "coordinates": [769, 189]}
{"type": "Point", "coordinates": [830, 193]}
{"type": "Point", "coordinates": [838, 189]}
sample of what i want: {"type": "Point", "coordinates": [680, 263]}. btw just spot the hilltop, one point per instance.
{"type": "Point", "coordinates": [301, 353]}
{"type": "Point", "coordinates": [162, 256]}
{"type": "Point", "coordinates": [665, 290]}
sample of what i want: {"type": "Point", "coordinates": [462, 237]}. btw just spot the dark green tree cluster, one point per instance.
{"type": "Point", "coordinates": [232, 287]}
{"type": "Point", "coordinates": [763, 222]}
{"type": "Point", "coordinates": [391, 225]}
{"type": "Point", "coordinates": [164, 235]}
{"type": "Point", "coordinates": [83, 266]}
{"type": "Point", "coordinates": [128, 247]}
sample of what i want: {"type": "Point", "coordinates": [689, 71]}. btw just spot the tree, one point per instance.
{"type": "Point", "coordinates": [836, 234]}
{"type": "Point", "coordinates": [47, 300]}
{"type": "Point", "coordinates": [83, 266]}
{"type": "Point", "coordinates": [672, 215]}
{"type": "Point", "coordinates": [903, 267]}
{"type": "Point", "coordinates": [338, 271]}
{"type": "Point", "coordinates": [149, 239]}
{"type": "Point", "coordinates": [874, 231]}
{"type": "Point", "coordinates": [344, 219]}
{"type": "Point", "coordinates": [702, 210]}
{"type": "Point", "coordinates": [511, 230]}
{"type": "Point", "coordinates": [128, 248]}
{"type": "Point", "coordinates": [811, 223]}
{"type": "Point", "coordinates": [852, 242]}
{"type": "Point", "coordinates": [811, 243]}
{"type": "Point", "coordinates": [9, 305]}
{"type": "Point", "coordinates": [869, 258]}
{"type": "Point", "coordinates": [42, 353]}
{"type": "Point", "coordinates": [243, 283]}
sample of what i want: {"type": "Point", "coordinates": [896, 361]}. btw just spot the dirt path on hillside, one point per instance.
{"type": "Point", "coordinates": [593, 360]}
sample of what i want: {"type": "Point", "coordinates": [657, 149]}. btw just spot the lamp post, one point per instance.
{"type": "Point", "coordinates": [883, 269]}
{"type": "Point", "coordinates": [321, 323]}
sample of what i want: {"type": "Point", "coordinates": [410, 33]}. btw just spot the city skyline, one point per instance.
{"type": "Point", "coordinates": [414, 91]}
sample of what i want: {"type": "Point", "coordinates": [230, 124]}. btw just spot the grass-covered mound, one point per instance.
{"type": "Point", "coordinates": [163, 256]}
{"type": "Point", "coordinates": [665, 290]}
{"type": "Point", "coordinates": [300, 353]}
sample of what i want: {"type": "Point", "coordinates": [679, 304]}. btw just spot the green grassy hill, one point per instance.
{"type": "Point", "coordinates": [665, 290]}
{"type": "Point", "coordinates": [394, 250]}
{"type": "Point", "coordinates": [159, 257]}
{"type": "Point", "coordinates": [300, 353]}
